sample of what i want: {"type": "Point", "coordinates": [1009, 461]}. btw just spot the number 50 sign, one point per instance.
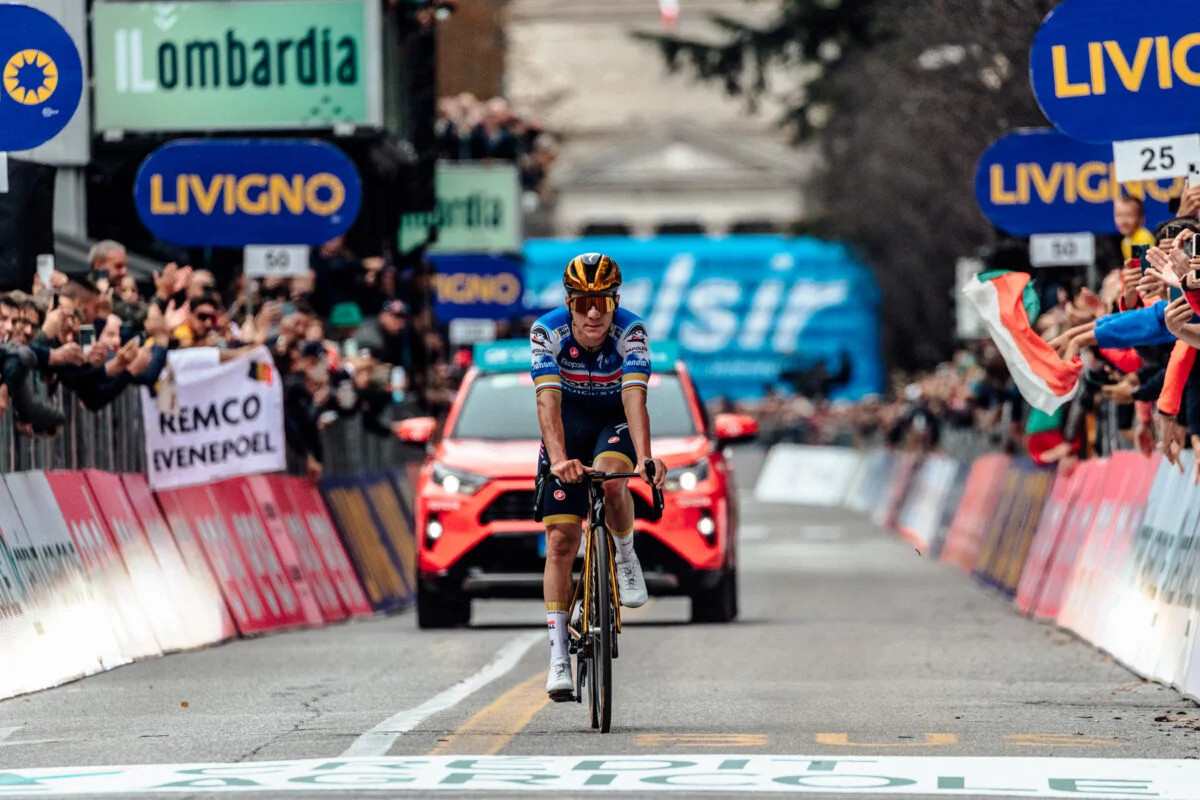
{"type": "Point", "coordinates": [275, 261]}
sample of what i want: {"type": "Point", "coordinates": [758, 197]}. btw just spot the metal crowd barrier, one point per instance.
{"type": "Point", "coordinates": [112, 439]}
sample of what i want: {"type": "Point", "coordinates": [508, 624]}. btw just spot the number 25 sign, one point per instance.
{"type": "Point", "coordinates": [1151, 159]}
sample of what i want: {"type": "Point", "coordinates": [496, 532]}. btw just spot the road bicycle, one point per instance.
{"type": "Point", "coordinates": [592, 632]}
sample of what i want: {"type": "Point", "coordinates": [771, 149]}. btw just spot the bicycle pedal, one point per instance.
{"type": "Point", "coordinates": [563, 696]}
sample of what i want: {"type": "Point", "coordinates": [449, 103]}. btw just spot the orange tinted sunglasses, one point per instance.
{"type": "Point", "coordinates": [583, 303]}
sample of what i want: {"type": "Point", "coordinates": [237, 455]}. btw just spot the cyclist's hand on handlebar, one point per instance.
{"type": "Point", "coordinates": [570, 471]}
{"type": "Point", "coordinates": [660, 472]}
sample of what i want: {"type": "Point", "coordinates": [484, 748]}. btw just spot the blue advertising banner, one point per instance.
{"type": "Point", "coordinates": [1040, 181]}
{"type": "Point", "coordinates": [41, 77]}
{"type": "Point", "coordinates": [1111, 70]}
{"type": "Point", "coordinates": [231, 193]}
{"type": "Point", "coordinates": [745, 310]}
{"type": "Point", "coordinates": [477, 287]}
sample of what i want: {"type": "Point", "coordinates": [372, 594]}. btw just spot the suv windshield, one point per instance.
{"type": "Point", "coordinates": [502, 406]}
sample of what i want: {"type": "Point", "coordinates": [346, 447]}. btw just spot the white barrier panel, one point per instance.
{"type": "Point", "coordinates": [78, 638]}
{"type": "Point", "coordinates": [110, 509]}
{"type": "Point", "coordinates": [920, 520]}
{"type": "Point", "coordinates": [195, 595]}
{"type": "Point", "coordinates": [814, 476]}
{"type": "Point", "coordinates": [38, 648]}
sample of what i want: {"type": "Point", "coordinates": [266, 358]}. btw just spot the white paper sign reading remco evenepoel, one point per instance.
{"type": "Point", "coordinates": [225, 420]}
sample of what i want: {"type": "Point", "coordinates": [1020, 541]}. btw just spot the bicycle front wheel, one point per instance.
{"type": "Point", "coordinates": [602, 628]}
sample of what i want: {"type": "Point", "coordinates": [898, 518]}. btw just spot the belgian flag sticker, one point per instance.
{"type": "Point", "coordinates": [264, 373]}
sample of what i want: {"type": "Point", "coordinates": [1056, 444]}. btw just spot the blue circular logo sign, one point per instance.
{"type": "Point", "coordinates": [41, 77]}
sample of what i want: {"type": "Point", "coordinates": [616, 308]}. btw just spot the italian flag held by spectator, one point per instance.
{"type": "Point", "coordinates": [1007, 302]}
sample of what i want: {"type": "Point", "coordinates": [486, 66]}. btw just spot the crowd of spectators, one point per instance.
{"type": "Point", "coordinates": [469, 129]}
{"type": "Point", "coordinates": [353, 338]}
{"type": "Point", "coordinates": [972, 391]}
{"type": "Point", "coordinates": [1132, 337]}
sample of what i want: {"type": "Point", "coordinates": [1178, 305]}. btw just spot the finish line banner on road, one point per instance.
{"type": "Point", "coordinates": [898, 776]}
{"type": "Point", "coordinates": [220, 421]}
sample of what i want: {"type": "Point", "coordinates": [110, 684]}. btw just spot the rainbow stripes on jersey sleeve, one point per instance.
{"type": "Point", "coordinates": [634, 347]}
{"type": "Point", "coordinates": [544, 367]}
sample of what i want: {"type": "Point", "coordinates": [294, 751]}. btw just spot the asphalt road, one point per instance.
{"type": "Point", "coordinates": [850, 646]}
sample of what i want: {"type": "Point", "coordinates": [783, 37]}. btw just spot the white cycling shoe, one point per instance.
{"type": "Point", "coordinates": [630, 583]}
{"type": "Point", "coordinates": [559, 684]}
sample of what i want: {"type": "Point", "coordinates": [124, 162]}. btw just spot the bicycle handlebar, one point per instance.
{"type": "Point", "coordinates": [656, 493]}
{"type": "Point", "coordinates": [609, 476]}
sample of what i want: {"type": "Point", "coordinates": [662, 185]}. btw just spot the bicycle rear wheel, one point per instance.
{"type": "Point", "coordinates": [602, 629]}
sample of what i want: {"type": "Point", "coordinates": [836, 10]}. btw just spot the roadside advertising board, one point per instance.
{"type": "Point", "coordinates": [1110, 70]}
{"type": "Point", "coordinates": [230, 193]}
{"type": "Point", "coordinates": [478, 211]}
{"type": "Point", "coordinates": [1035, 181]}
{"type": "Point", "coordinates": [478, 287]}
{"type": "Point", "coordinates": [237, 65]}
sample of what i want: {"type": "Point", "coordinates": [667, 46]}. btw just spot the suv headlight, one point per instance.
{"type": "Point", "coordinates": [457, 481]}
{"type": "Point", "coordinates": [685, 478]}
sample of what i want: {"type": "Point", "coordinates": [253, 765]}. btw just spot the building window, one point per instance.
{"type": "Point", "coordinates": [679, 226]}
{"type": "Point", "coordinates": [606, 228]}
{"type": "Point", "coordinates": [755, 226]}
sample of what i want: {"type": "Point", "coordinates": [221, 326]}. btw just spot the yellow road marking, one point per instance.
{"type": "Point", "coordinates": [1057, 740]}
{"type": "Point", "coordinates": [931, 740]}
{"type": "Point", "coordinates": [701, 739]}
{"type": "Point", "coordinates": [491, 728]}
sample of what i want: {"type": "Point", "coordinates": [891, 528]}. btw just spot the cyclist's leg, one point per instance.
{"type": "Point", "coordinates": [563, 508]}
{"type": "Point", "coordinates": [615, 453]}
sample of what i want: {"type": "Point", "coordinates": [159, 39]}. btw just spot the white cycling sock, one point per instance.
{"type": "Point", "coordinates": [624, 545]}
{"type": "Point", "coordinates": [556, 623]}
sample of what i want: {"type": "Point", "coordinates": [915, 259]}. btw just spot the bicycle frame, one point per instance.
{"type": "Point", "coordinates": [596, 641]}
{"type": "Point", "coordinates": [595, 521]}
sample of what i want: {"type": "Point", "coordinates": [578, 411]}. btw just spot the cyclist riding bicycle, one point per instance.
{"type": "Point", "coordinates": [591, 368]}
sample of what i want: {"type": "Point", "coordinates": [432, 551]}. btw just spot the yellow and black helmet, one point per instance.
{"type": "Point", "coordinates": [592, 272]}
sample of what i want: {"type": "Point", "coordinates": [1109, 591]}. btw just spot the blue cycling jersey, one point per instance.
{"type": "Point", "coordinates": [590, 378]}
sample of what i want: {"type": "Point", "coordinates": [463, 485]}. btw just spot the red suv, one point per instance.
{"type": "Point", "coordinates": [476, 536]}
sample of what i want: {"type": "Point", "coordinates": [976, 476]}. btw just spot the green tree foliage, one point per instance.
{"type": "Point", "coordinates": [902, 98]}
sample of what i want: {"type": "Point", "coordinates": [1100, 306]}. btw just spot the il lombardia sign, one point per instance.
{"type": "Point", "coordinates": [478, 211]}
{"type": "Point", "coordinates": [237, 65]}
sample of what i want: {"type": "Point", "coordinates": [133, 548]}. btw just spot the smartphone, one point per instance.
{"type": "Point", "coordinates": [1174, 293]}
{"type": "Point", "coordinates": [101, 275]}
{"type": "Point", "coordinates": [87, 335]}
{"type": "Point", "coordinates": [1139, 254]}
{"type": "Point", "coordinates": [1174, 230]}
{"type": "Point", "coordinates": [45, 268]}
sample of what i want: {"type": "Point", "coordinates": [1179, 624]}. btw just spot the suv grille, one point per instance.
{"type": "Point", "coordinates": [519, 505]}
{"type": "Point", "coordinates": [510, 505]}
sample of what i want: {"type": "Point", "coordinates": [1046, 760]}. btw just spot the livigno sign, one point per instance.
{"type": "Point", "coordinates": [1111, 70]}
{"type": "Point", "coordinates": [236, 65]}
{"type": "Point", "coordinates": [1040, 181]}
{"type": "Point", "coordinates": [478, 211]}
{"type": "Point", "coordinates": [230, 193]}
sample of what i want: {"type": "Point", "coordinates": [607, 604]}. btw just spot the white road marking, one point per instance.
{"type": "Point", "coordinates": [878, 776]}
{"type": "Point", "coordinates": [5, 733]}
{"type": "Point", "coordinates": [378, 740]}
{"type": "Point", "coordinates": [753, 532]}
{"type": "Point", "coordinates": [822, 533]}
